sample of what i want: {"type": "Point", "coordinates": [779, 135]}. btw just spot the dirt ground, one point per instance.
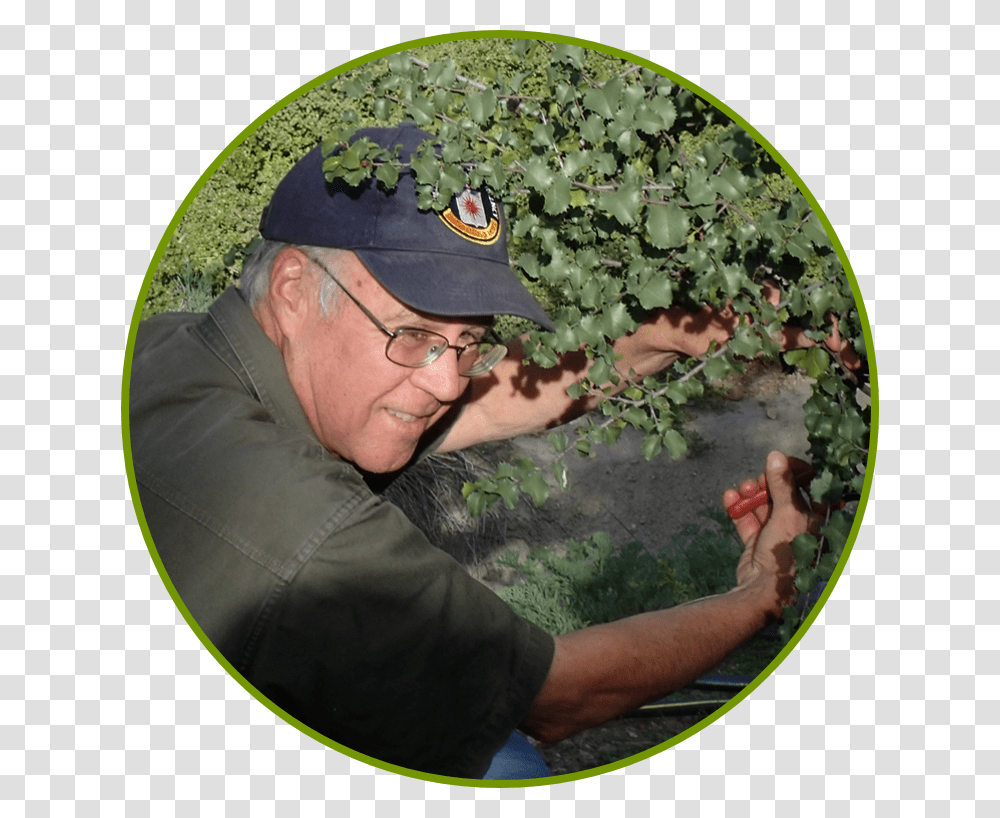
{"type": "Point", "coordinates": [619, 492]}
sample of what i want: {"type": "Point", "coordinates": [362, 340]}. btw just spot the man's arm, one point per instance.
{"type": "Point", "coordinates": [517, 398]}
{"type": "Point", "coordinates": [607, 670]}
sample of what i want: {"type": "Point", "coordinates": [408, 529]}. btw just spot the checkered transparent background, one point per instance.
{"type": "Point", "coordinates": [110, 706]}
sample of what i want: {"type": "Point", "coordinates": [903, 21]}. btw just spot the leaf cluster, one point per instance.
{"type": "Point", "coordinates": [510, 480]}
{"type": "Point", "coordinates": [625, 192]}
{"type": "Point", "coordinates": [816, 562]}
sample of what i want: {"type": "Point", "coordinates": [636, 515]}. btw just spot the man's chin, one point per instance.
{"type": "Point", "coordinates": [386, 464]}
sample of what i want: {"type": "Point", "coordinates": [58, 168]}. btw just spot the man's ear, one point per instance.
{"type": "Point", "coordinates": [291, 290]}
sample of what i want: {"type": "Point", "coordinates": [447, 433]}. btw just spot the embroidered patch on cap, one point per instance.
{"type": "Point", "coordinates": [473, 215]}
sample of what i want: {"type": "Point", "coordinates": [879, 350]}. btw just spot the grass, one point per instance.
{"type": "Point", "coordinates": [430, 494]}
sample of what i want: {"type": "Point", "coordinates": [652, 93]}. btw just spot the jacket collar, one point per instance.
{"type": "Point", "coordinates": [246, 349]}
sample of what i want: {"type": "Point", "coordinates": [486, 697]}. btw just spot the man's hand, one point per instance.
{"type": "Point", "coordinates": [605, 670]}
{"type": "Point", "coordinates": [672, 333]}
{"type": "Point", "coordinates": [768, 564]}
{"type": "Point", "coordinates": [792, 337]}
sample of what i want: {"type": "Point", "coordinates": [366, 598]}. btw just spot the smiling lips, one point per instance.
{"type": "Point", "coordinates": [407, 417]}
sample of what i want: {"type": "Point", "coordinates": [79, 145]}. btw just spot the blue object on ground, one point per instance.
{"type": "Point", "coordinates": [517, 759]}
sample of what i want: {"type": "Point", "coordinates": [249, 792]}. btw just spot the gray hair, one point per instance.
{"type": "Point", "coordinates": [255, 277]}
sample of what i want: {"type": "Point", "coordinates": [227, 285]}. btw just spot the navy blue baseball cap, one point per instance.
{"type": "Point", "coordinates": [452, 264]}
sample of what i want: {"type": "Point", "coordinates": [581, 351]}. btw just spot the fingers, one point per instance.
{"type": "Point", "coordinates": [838, 345]}
{"type": "Point", "coordinates": [748, 525]}
{"type": "Point", "coordinates": [793, 337]}
{"type": "Point", "coordinates": [781, 473]}
{"type": "Point", "coordinates": [767, 532]}
{"type": "Point", "coordinates": [746, 490]}
{"type": "Point", "coordinates": [751, 495]}
{"type": "Point", "coordinates": [780, 482]}
{"type": "Point", "coordinates": [750, 517]}
{"type": "Point", "coordinates": [771, 292]}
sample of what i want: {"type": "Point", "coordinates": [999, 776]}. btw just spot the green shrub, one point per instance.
{"type": "Point", "coordinates": [592, 584]}
{"type": "Point", "coordinates": [596, 583]}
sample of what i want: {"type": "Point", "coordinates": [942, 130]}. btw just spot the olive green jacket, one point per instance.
{"type": "Point", "coordinates": [319, 594]}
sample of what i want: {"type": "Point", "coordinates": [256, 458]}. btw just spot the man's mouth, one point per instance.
{"type": "Point", "coordinates": [403, 415]}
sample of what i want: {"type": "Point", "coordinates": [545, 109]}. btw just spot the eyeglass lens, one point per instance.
{"type": "Point", "coordinates": [415, 348]}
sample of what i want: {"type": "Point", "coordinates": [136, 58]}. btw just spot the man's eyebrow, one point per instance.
{"type": "Point", "coordinates": [403, 315]}
{"type": "Point", "coordinates": [407, 317]}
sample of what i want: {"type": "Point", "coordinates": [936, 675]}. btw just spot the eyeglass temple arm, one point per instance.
{"type": "Point", "coordinates": [375, 320]}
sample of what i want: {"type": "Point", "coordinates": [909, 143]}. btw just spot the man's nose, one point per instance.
{"type": "Point", "coordinates": [440, 378]}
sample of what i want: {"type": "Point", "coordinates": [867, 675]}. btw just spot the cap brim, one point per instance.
{"type": "Point", "coordinates": [460, 287]}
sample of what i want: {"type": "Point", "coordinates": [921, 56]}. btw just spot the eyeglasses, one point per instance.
{"type": "Point", "coordinates": [413, 347]}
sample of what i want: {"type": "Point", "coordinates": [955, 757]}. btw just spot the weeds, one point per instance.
{"type": "Point", "coordinates": [430, 494]}
{"type": "Point", "coordinates": [594, 583]}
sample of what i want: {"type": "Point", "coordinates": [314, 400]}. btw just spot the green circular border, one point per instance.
{"type": "Point", "coordinates": [523, 35]}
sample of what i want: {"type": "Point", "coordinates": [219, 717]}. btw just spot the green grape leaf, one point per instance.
{"type": "Point", "coordinates": [481, 106]}
{"type": "Point", "coordinates": [387, 174]}
{"type": "Point", "coordinates": [536, 488]}
{"type": "Point", "coordinates": [657, 292]}
{"type": "Point", "coordinates": [718, 368]}
{"type": "Point", "coordinates": [675, 443]}
{"type": "Point", "coordinates": [667, 224]}
{"type": "Point", "coordinates": [538, 174]}
{"type": "Point", "coordinates": [623, 204]}
{"type": "Point", "coordinates": [652, 446]}
{"type": "Point", "coordinates": [616, 321]}
{"type": "Point", "coordinates": [422, 111]}
{"type": "Point", "coordinates": [557, 197]}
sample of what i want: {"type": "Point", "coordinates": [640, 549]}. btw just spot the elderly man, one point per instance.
{"type": "Point", "coordinates": [361, 338]}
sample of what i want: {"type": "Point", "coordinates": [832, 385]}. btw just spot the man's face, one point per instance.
{"type": "Point", "coordinates": [363, 407]}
